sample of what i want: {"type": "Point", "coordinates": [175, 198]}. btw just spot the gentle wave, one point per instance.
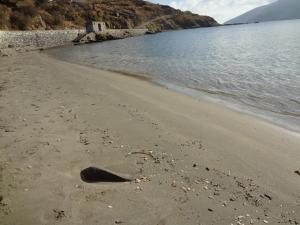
{"type": "Point", "coordinates": [253, 67]}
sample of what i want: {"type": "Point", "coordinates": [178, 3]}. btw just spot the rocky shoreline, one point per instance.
{"type": "Point", "coordinates": [110, 34]}
{"type": "Point", "coordinates": [21, 41]}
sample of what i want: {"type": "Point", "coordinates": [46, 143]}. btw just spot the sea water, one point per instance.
{"type": "Point", "coordinates": [254, 68]}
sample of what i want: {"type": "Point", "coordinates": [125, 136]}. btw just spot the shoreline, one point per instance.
{"type": "Point", "coordinates": [236, 106]}
{"type": "Point", "coordinates": [207, 163]}
{"type": "Point", "coordinates": [202, 95]}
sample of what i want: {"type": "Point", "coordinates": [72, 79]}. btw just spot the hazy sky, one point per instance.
{"type": "Point", "coordinates": [221, 10]}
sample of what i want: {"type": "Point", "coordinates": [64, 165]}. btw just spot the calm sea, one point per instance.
{"type": "Point", "coordinates": [253, 68]}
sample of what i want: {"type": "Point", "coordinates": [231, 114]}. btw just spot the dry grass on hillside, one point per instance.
{"type": "Point", "coordinates": [41, 14]}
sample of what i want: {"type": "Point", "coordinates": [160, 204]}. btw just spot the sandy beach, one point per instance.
{"type": "Point", "coordinates": [191, 161]}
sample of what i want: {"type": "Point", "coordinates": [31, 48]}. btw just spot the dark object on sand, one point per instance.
{"type": "Point", "coordinates": [268, 196]}
{"type": "Point", "coordinates": [297, 172]}
{"type": "Point", "coordinates": [1, 198]}
{"type": "Point", "coordinates": [59, 214]}
{"type": "Point", "coordinates": [94, 175]}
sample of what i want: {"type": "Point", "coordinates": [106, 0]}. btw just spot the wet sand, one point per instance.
{"type": "Point", "coordinates": [192, 162]}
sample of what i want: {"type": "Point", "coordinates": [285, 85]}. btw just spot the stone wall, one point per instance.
{"type": "Point", "coordinates": [53, 38]}
{"type": "Point", "coordinates": [37, 39]}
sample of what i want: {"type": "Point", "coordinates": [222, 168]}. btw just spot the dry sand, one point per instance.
{"type": "Point", "coordinates": [196, 162]}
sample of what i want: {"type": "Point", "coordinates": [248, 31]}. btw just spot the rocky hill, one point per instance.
{"type": "Point", "coordinates": [62, 14]}
{"type": "Point", "coordinates": [279, 10]}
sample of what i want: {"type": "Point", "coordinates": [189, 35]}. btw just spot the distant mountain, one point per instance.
{"type": "Point", "coordinates": [279, 10]}
{"type": "Point", "coordinates": [64, 14]}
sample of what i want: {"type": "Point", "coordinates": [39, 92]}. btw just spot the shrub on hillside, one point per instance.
{"type": "Point", "coordinates": [30, 11]}
{"type": "Point", "coordinates": [47, 18]}
{"type": "Point", "coordinates": [19, 21]}
{"type": "Point", "coordinates": [58, 20]}
{"type": "Point", "coordinates": [4, 17]}
{"type": "Point", "coordinates": [41, 3]}
{"type": "Point", "coordinates": [59, 14]}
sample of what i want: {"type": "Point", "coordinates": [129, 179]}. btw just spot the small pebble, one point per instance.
{"type": "Point", "coordinates": [232, 199]}
{"type": "Point", "coordinates": [78, 186]}
{"type": "Point", "coordinates": [137, 181]}
{"type": "Point", "coordinates": [138, 188]}
{"type": "Point", "coordinates": [174, 184]}
{"type": "Point", "coordinates": [110, 207]}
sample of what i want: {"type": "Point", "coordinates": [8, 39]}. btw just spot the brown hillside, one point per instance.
{"type": "Point", "coordinates": [62, 14]}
